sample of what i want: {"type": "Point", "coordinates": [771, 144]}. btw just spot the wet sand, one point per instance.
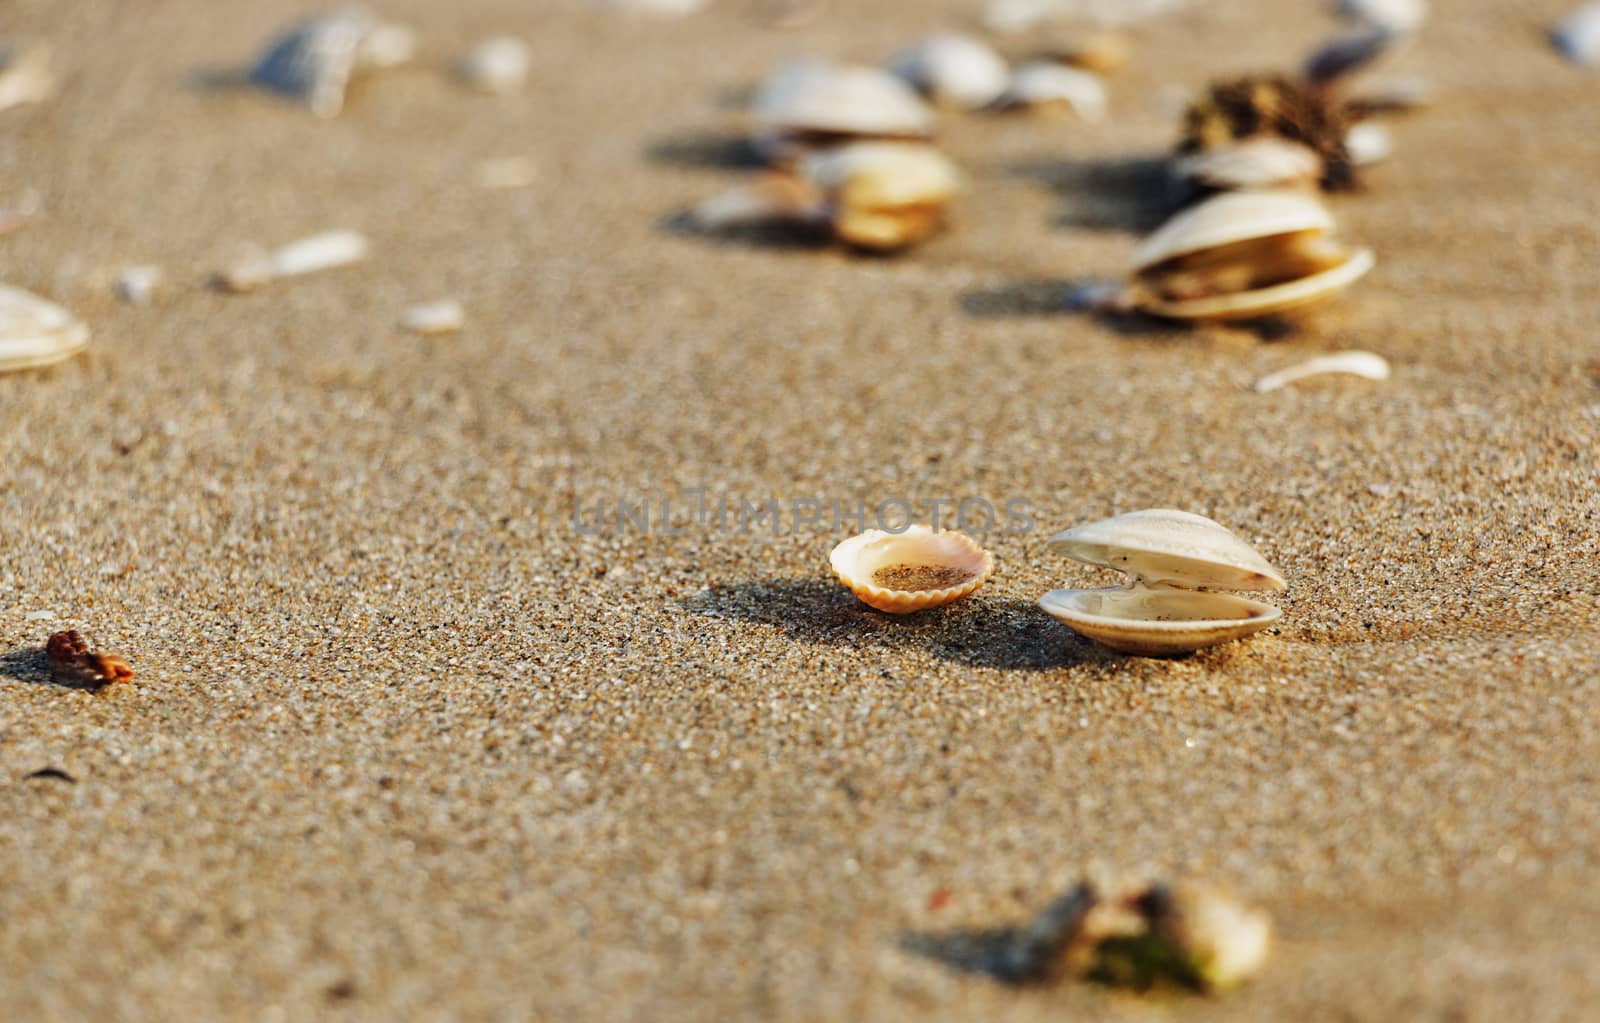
{"type": "Point", "coordinates": [406, 742]}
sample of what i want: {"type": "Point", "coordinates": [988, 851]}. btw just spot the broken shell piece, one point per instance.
{"type": "Point", "coordinates": [443, 317]}
{"type": "Point", "coordinates": [1176, 559]}
{"type": "Point", "coordinates": [911, 570]}
{"type": "Point", "coordinates": [1264, 161]}
{"type": "Point", "coordinates": [1049, 87]}
{"type": "Point", "coordinates": [1577, 37]}
{"type": "Point", "coordinates": [810, 105]}
{"type": "Point", "coordinates": [72, 662]}
{"type": "Point", "coordinates": [499, 65]}
{"type": "Point", "coordinates": [1361, 364]}
{"type": "Point", "coordinates": [314, 61]}
{"type": "Point", "coordinates": [308, 255]}
{"type": "Point", "coordinates": [1244, 254]}
{"type": "Point", "coordinates": [25, 75]}
{"type": "Point", "coordinates": [136, 284]}
{"type": "Point", "coordinates": [36, 333]}
{"type": "Point", "coordinates": [884, 195]}
{"type": "Point", "coordinates": [771, 197]}
{"type": "Point", "coordinates": [953, 70]}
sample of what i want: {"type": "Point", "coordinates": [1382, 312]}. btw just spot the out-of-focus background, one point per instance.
{"type": "Point", "coordinates": [405, 742]}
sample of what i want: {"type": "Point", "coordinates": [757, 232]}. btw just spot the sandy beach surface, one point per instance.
{"type": "Point", "coordinates": [407, 743]}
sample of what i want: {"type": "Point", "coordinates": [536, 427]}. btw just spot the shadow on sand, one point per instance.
{"type": "Point", "coordinates": [978, 632]}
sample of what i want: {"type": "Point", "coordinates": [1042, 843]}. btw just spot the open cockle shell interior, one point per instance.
{"type": "Point", "coordinates": [911, 570]}
{"type": "Point", "coordinates": [1176, 560]}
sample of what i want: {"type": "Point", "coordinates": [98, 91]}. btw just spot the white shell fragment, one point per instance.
{"type": "Point", "coordinates": [25, 75]}
{"type": "Point", "coordinates": [953, 70]}
{"type": "Point", "coordinates": [442, 317]}
{"type": "Point", "coordinates": [808, 101]}
{"type": "Point", "coordinates": [1361, 364]}
{"type": "Point", "coordinates": [1176, 560]}
{"type": "Point", "coordinates": [137, 284]}
{"type": "Point", "coordinates": [308, 255]}
{"type": "Point", "coordinates": [498, 65]}
{"type": "Point", "coordinates": [36, 333]}
{"type": "Point", "coordinates": [1394, 15]}
{"type": "Point", "coordinates": [771, 197]}
{"type": "Point", "coordinates": [1577, 37]}
{"type": "Point", "coordinates": [1242, 255]}
{"type": "Point", "coordinates": [1050, 87]}
{"type": "Point", "coordinates": [1368, 143]}
{"type": "Point", "coordinates": [314, 61]}
{"type": "Point", "coordinates": [912, 570]}
{"type": "Point", "coordinates": [1261, 161]}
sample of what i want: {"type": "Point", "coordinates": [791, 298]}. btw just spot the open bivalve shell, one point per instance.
{"type": "Point", "coordinates": [1177, 560]}
{"type": "Point", "coordinates": [35, 333]}
{"type": "Point", "coordinates": [1244, 254]}
{"type": "Point", "coordinates": [911, 570]}
{"type": "Point", "coordinates": [811, 105]}
{"type": "Point", "coordinates": [953, 70]}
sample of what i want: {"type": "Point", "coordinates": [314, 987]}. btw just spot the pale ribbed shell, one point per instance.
{"type": "Point", "coordinates": [1229, 218]}
{"type": "Point", "coordinates": [36, 333]}
{"type": "Point", "coordinates": [857, 559]}
{"type": "Point", "coordinates": [953, 69]}
{"type": "Point", "coordinates": [1176, 548]}
{"type": "Point", "coordinates": [812, 96]}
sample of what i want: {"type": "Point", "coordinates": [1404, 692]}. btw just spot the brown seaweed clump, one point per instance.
{"type": "Point", "coordinates": [1313, 115]}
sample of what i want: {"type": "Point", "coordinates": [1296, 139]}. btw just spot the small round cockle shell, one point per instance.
{"type": "Point", "coordinates": [1050, 87]}
{"type": "Point", "coordinates": [313, 61]}
{"type": "Point", "coordinates": [810, 104]}
{"type": "Point", "coordinates": [953, 70]}
{"type": "Point", "coordinates": [884, 195]}
{"type": "Point", "coordinates": [912, 570]}
{"type": "Point", "coordinates": [35, 333]}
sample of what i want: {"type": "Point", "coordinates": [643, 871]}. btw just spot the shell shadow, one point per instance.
{"type": "Point", "coordinates": [707, 150]}
{"type": "Point", "coordinates": [32, 665]}
{"type": "Point", "coordinates": [766, 236]}
{"type": "Point", "coordinates": [1024, 954]}
{"type": "Point", "coordinates": [979, 632]}
{"type": "Point", "coordinates": [1107, 194]}
{"type": "Point", "coordinates": [1020, 298]}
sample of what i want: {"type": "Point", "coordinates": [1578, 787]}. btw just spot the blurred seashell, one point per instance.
{"type": "Point", "coordinates": [1102, 52]}
{"type": "Point", "coordinates": [324, 251]}
{"type": "Point", "coordinates": [1051, 87]}
{"type": "Point", "coordinates": [1361, 364]}
{"type": "Point", "coordinates": [506, 172]}
{"type": "Point", "coordinates": [1368, 144]}
{"type": "Point", "coordinates": [1218, 941]}
{"type": "Point", "coordinates": [809, 104]}
{"type": "Point", "coordinates": [1264, 161]}
{"type": "Point", "coordinates": [768, 197]}
{"type": "Point", "coordinates": [1577, 37]}
{"type": "Point", "coordinates": [912, 570]}
{"type": "Point", "coordinates": [35, 332]}
{"type": "Point", "coordinates": [1394, 15]}
{"type": "Point", "coordinates": [442, 317]}
{"type": "Point", "coordinates": [1177, 561]}
{"type": "Point", "coordinates": [497, 65]}
{"type": "Point", "coordinates": [884, 195]}
{"type": "Point", "coordinates": [137, 284]}
{"type": "Point", "coordinates": [953, 70]}
{"type": "Point", "coordinates": [314, 60]}
{"type": "Point", "coordinates": [25, 75]}
{"type": "Point", "coordinates": [1241, 255]}
{"type": "Point", "coordinates": [1234, 109]}
{"type": "Point", "coordinates": [672, 8]}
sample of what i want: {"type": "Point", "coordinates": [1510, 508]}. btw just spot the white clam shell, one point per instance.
{"type": "Point", "coordinates": [1577, 37]}
{"type": "Point", "coordinates": [1263, 161]}
{"type": "Point", "coordinates": [810, 96]}
{"type": "Point", "coordinates": [1395, 15]}
{"type": "Point", "coordinates": [1232, 217]}
{"type": "Point", "coordinates": [498, 65]}
{"type": "Point", "coordinates": [443, 317]}
{"type": "Point", "coordinates": [308, 255]}
{"type": "Point", "coordinates": [955, 70]}
{"type": "Point", "coordinates": [858, 560]}
{"type": "Point", "coordinates": [35, 332]}
{"type": "Point", "coordinates": [25, 75]}
{"type": "Point", "coordinates": [313, 61]}
{"type": "Point", "coordinates": [1175, 558]}
{"type": "Point", "coordinates": [1045, 84]}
